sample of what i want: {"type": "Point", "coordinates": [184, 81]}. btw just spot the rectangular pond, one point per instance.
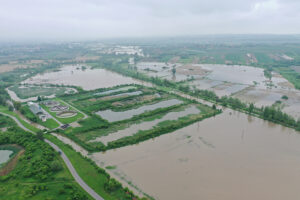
{"type": "Point", "coordinates": [113, 116]}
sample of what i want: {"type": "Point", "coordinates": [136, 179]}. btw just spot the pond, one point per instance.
{"type": "Point", "coordinates": [5, 155]}
{"type": "Point", "coordinates": [113, 116]}
{"type": "Point", "coordinates": [230, 156]}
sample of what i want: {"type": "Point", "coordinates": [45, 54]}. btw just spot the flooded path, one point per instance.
{"type": "Point", "coordinates": [230, 156]}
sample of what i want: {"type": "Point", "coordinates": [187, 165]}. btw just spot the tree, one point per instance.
{"type": "Point", "coordinates": [40, 135]}
{"type": "Point", "coordinates": [10, 108]}
{"type": "Point", "coordinates": [251, 108]}
{"type": "Point", "coordinates": [173, 70]}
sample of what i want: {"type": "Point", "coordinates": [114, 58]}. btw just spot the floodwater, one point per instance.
{"type": "Point", "coordinates": [88, 79]}
{"type": "Point", "coordinates": [115, 90]}
{"type": "Point", "coordinates": [4, 155]}
{"type": "Point", "coordinates": [230, 156]}
{"type": "Point", "coordinates": [112, 116]}
{"type": "Point", "coordinates": [146, 125]}
{"type": "Point", "coordinates": [244, 82]}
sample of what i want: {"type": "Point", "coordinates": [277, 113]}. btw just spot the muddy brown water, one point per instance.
{"type": "Point", "coordinates": [230, 156]}
{"type": "Point", "coordinates": [88, 79]}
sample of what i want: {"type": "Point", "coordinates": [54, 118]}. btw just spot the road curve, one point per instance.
{"type": "Point", "coordinates": [65, 159]}
{"type": "Point", "coordinates": [74, 173]}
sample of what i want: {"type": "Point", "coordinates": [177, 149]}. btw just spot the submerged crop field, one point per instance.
{"type": "Point", "coordinates": [114, 111]}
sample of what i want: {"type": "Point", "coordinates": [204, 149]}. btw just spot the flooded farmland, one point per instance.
{"type": "Point", "coordinates": [146, 125]}
{"type": "Point", "coordinates": [88, 78]}
{"type": "Point", "coordinates": [112, 116]}
{"type": "Point", "coordinates": [230, 156]}
{"type": "Point", "coordinates": [244, 82]}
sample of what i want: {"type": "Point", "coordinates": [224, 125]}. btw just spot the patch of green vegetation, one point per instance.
{"type": "Point", "coordinates": [95, 177]}
{"type": "Point", "coordinates": [25, 124]}
{"type": "Point", "coordinates": [290, 75]}
{"type": "Point", "coordinates": [38, 173]}
{"type": "Point", "coordinates": [111, 167]}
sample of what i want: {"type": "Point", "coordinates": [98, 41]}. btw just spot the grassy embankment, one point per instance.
{"type": "Point", "coordinates": [94, 176]}
{"type": "Point", "coordinates": [25, 124]}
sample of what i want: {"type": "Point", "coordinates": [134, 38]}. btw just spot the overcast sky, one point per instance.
{"type": "Point", "coordinates": [93, 19]}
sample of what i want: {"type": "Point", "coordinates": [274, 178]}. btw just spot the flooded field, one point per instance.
{"type": "Point", "coordinates": [230, 156]}
{"type": "Point", "coordinates": [244, 82]}
{"type": "Point", "coordinates": [88, 78]}
{"type": "Point", "coordinates": [4, 156]}
{"type": "Point", "coordinates": [112, 116]}
{"type": "Point", "coordinates": [146, 125]}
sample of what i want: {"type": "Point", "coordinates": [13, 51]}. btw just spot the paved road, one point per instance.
{"type": "Point", "coordinates": [74, 173]}
{"type": "Point", "coordinates": [65, 159]}
{"type": "Point", "coordinates": [17, 121]}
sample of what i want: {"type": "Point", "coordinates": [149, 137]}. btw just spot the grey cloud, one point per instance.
{"type": "Point", "coordinates": [91, 19]}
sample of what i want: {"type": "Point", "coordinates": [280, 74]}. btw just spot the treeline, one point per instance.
{"type": "Point", "coordinates": [4, 97]}
{"type": "Point", "coordinates": [270, 113]}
